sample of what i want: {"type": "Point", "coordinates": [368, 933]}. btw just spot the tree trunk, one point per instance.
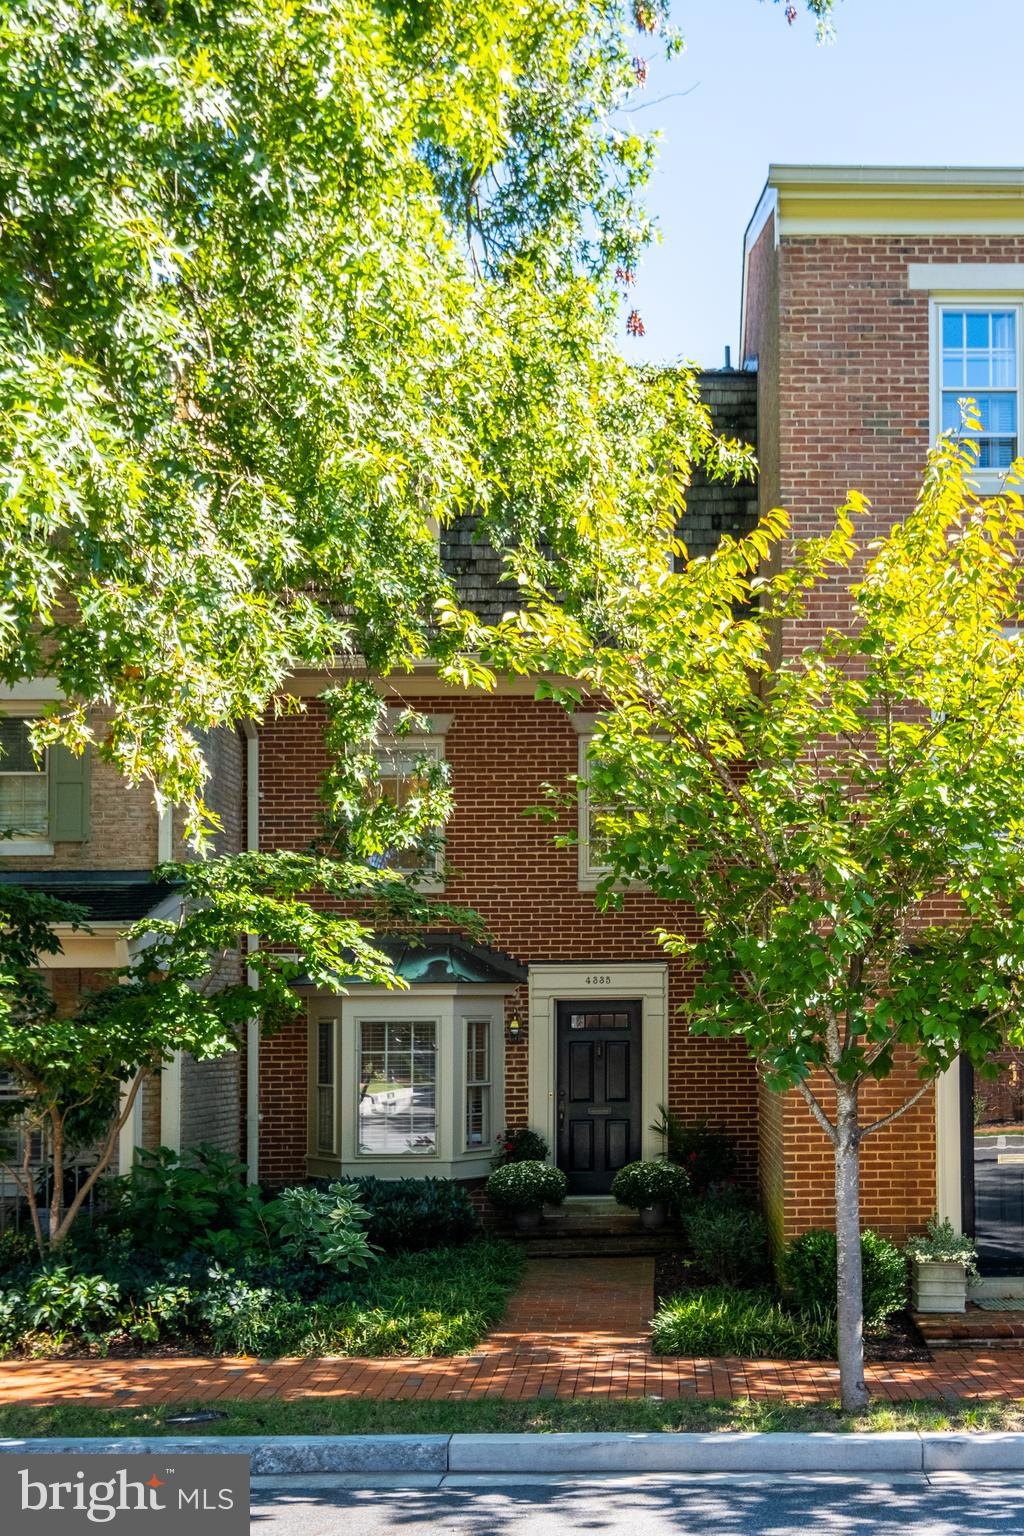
{"type": "Point", "coordinates": [850, 1300]}
{"type": "Point", "coordinates": [57, 1167]}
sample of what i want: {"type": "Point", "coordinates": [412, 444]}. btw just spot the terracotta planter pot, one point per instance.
{"type": "Point", "coordinates": [653, 1216]}
{"type": "Point", "coordinates": [526, 1221]}
{"type": "Point", "coordinates": [938, 1287]}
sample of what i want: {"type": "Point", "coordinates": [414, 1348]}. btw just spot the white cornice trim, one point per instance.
{"type": "Point", "coordinates": [894, 199]}
{"type": "Point", "coordinates": [988, 177]}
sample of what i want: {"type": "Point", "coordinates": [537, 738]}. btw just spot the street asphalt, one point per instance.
{"type": "Point", "coordinates": [912, 1504]}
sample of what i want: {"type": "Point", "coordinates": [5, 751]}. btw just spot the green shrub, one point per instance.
{"type": "Point", "coordinates": [707, 1155]}
{"type": "Point", "coordinates": [12, 1320]}
{"type": "Point", "coordinates": [60, 1302]}
{"type": "Point", "coordinates": [650, 1183]}
{"type": "Point", "coordinates": [440, 1302]}
{"type": "Point", "coordinates": [168, 1205]}
{"type": "Point", "coordinates": [750, 1324]}
{"type": "Point", "coordinates": [17, 1248]}
{"type": "Point", "coordinates": [407, 1215]}
{"type": "Point", "coordinates": [809, 1271]}
{"type": "Point", "coordinates": [729, 1241]}
{"type": "Point", "coordinates": [525, 1186]}
{"type": "Point", "coordinates": [519, 1146]}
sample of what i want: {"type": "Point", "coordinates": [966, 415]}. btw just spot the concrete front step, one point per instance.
{"type": "Point", "coordinates": [594, 1226]}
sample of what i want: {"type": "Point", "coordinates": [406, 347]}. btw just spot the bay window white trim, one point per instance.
{"type": "Point", "coordinates": [450, 1010]}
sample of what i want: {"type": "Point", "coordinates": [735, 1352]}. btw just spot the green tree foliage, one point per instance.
{"type": "Point", "coordinates": [813, 810]}
{"type": "Point", "coordinates": [285, 286]}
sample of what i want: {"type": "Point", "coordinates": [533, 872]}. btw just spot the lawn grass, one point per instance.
{"type": "Point", "coordinates": [357, 1416]}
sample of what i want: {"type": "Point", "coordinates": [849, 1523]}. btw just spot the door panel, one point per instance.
{"type": "Point", "coordinates": [598, 1090]}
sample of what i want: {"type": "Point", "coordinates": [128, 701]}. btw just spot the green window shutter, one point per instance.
{"type": "Point", "coordinates": [69, 795]}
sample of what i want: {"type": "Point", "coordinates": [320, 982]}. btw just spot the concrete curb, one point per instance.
{"type": "Point", "coordinates": [722, 1452]}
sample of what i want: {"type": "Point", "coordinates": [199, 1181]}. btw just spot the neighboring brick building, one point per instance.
{"type": "Point", "coordinates": [872, 298]}
{"type": "Point", "coordinates": [88, 837]}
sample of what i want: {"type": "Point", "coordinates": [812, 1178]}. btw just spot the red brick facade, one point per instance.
{"type": "Point", "coordinates": [501, 751]}
{"type": "Point", "coordinates": [842, 342]}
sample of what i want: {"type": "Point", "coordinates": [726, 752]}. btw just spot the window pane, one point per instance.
{"type": "Point", "coordinates": [400, 777]}
{"type": "Point", "coordinates": [325, 1085]}
{"type": "Point", "coordinates": [477, 1037]}
{"type": "Point", "coordinates": [978, 329]}
{"type": "Point", "coordinates": [952, 370]}
{"type": "Point", "coordinates": [953, 328]}
{"type": "Point", "coordinates": [1004, 370]}
{"type": "Point", "coordinates": [979, 371]}
{"type": "Point", "coordinates": [397, 1088]}
{"type": "Point", "coordinates": [1004, 330]}
{"type": "Point", "coordinates": [997, 452]}
{"type": "Point", "coordinates": [998, 413]}
{"type": "Point", "coordinates": [15, 752]}
{"type": "Point", "coordinates": [24, 804]}
{"type": "Point", "coordinates": [477, 1114]}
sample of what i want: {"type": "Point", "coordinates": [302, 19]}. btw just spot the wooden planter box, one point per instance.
{"type": "Point", "coordinates": [938, 1287]}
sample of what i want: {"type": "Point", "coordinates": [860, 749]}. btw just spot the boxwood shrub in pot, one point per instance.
{"type": "Point", "coordinates": [523, 1188]}
{"type": "Point", "coordinates": [652, 1188]}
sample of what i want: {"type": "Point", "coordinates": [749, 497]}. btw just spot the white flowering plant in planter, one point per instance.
{"type": "Point", "coordinates": [943, 1261]}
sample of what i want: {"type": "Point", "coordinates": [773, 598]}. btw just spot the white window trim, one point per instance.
{"type": "Point", "coordinates": [484, 1082]}
{"type": "Point", "coordinates": [589, 874]}
{"type": "Point", "coordinates": [26, 708]}
{"type": "Point", "coordinates": [989, 481]}
{"type": "Point", "coordinates": [550, 984]}
{"type": "Point", "coordinates": [449, 1009]}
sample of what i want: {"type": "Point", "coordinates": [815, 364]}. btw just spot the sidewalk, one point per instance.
{"type": "Point", "coordinates": [576, 1328]}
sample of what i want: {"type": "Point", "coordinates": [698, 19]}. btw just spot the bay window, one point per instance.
{"type": "Point", "coordinates": [405, 1086]}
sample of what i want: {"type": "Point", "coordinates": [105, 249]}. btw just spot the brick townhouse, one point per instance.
{"type": "Point", "coordinates": [871, 299]}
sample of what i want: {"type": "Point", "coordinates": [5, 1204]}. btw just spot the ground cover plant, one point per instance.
{"type": "Point", "coordinates": [723, 1299]}
{"type": "Point", "coordinates": [185, 1255]}
{"type": "Point", "coordinates": [750, 1324]}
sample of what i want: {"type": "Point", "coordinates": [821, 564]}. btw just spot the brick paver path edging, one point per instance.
{"type": "Point", "coordinates": [576, 1328]}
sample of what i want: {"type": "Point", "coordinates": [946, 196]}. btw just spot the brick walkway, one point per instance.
{"type": "Point", "coordinates": [576, 1328]}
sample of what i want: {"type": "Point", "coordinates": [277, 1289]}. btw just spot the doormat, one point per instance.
{"type": "Point", "coordinates": [999, 1303]}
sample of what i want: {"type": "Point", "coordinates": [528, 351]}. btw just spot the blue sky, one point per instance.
{"type": "Point", "coordinates": [912, 82]}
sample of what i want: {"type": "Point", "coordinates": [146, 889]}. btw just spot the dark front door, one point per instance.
{"type": "Point", "coordinates": [598, 1091]}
